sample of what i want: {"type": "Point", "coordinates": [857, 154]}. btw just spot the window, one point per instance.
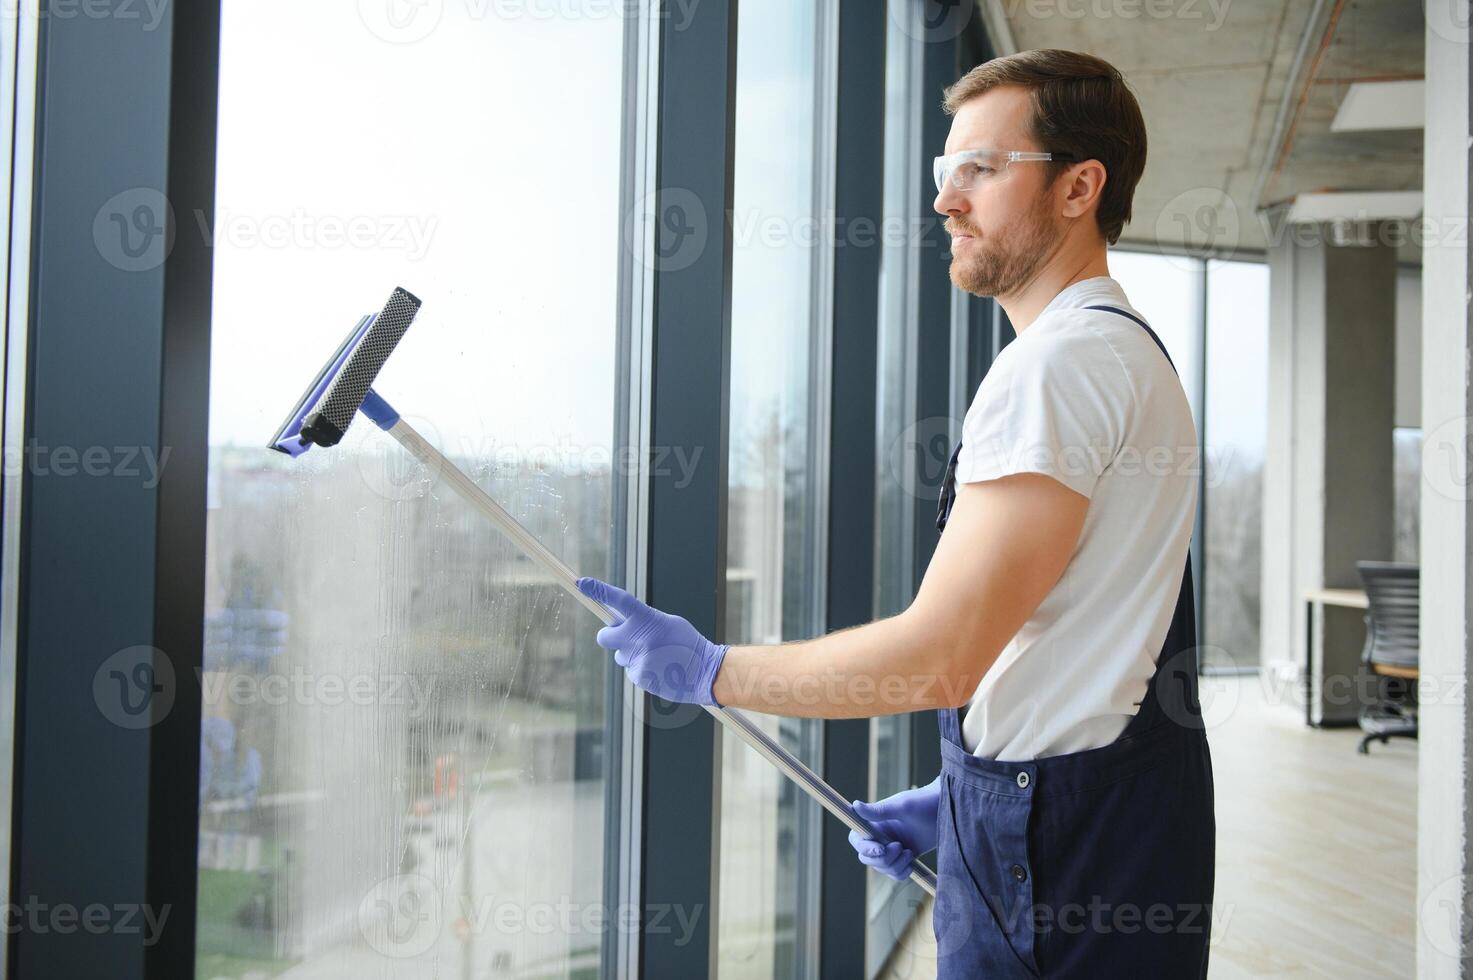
{"type": "Point", "coordinates": [1212, 315]}
{"type": "Point", "coordinates": [896, 438]}
{"type": "Point", "coordinates": [1237, 425]}
{"type": "Point", "coordinates": [18, 41]}
{"type": "Point", "coordinates": [1167, 290]}
{"type": "Point", "coordinates": [769, 829]}
{"type": "Point", "coordinates": [402, 746]}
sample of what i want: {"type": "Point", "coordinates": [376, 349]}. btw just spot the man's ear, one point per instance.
{"type": "Point", "coordinates": [1083, 185]}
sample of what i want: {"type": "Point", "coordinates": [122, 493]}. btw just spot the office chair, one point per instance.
{"type": "Point", "coordinates": [1391, 651]}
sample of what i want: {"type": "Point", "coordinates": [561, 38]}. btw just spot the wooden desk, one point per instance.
{"type": "Point", "coordinates": [1349, 598]}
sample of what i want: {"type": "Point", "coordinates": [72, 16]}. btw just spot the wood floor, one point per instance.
{"type": "Point", "coordinates": [1316, 847]}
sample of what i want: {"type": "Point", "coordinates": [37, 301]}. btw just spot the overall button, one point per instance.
{"type": "Point", "coordinates": [1020, 872]}
{"type": "Point", "coordinates": [1023, 780]}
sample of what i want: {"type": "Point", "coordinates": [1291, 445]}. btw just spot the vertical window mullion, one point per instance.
{"type": "Point", "coordinates": [858, 202]}
{"type": "Point", "coordinates": [687, 516]}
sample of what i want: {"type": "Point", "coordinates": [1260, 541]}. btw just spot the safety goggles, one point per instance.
{"type": "Point", "coordinates": [967, 168]}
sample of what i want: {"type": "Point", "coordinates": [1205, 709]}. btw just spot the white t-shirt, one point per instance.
{"type": "Point", "coordinates": [1085, 396]}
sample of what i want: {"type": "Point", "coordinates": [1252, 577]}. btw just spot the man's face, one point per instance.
{"type": "Point", "coordinates": [1003, 228]}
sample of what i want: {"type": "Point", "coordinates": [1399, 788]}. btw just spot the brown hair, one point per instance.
{"type": "Point", "coordinates": [1081, 107]}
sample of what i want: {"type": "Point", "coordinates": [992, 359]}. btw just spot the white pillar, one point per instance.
{"type": "Point", "coordinates": [1328, 494]}
{"type": "Point", "coordinates": [1443, 949]}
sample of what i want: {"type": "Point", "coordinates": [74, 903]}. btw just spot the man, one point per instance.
{"type": "Point", "coordinates": [1073, 817]}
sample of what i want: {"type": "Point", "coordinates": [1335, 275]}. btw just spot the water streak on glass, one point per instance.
{"type": "Point", "coordinates": [403, 766]}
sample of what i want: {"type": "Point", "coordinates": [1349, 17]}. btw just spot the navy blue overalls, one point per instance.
{"type": "Point", "coordinates": [1094, 864]}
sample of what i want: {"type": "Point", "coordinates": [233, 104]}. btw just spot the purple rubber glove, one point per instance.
{"type": "Point", "coordinates": [661, 653]}
{"type": "Point", "coordinates": [906, 820]}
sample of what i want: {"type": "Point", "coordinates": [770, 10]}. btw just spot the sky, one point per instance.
{"type": "Point", "coordinates": [477, 166]}
{"type": "Point", "coordinates": [470, 151]}
{"type": "Point", "coordinates": [1163, 289]}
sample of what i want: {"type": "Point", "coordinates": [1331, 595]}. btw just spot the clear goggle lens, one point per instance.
{"type": "Point", "coordinates": [969, 168]}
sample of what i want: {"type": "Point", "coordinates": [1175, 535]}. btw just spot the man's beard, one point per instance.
{"type": "Point", "coordinates": [988, 268]}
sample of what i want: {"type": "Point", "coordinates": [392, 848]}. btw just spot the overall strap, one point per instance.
{"type": "Point", "coordinates": [1175, 678]}
{"type": "Point", "coordinates": [948, 483]}
{"type": "Point", "coordinates": [1143, 323]}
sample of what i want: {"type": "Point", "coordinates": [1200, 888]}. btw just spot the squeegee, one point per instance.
{"type": "Point", "coordinates": [343, 388]}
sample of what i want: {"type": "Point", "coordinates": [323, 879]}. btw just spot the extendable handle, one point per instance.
{"type": "Point", "coordinates": [732, 720]}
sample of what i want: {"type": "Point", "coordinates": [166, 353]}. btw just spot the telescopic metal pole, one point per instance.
{"type": "Point", "coordinates": [734, 721]}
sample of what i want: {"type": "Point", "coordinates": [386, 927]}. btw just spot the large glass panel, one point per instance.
{"type": "Point", "coordinates": [1167, 290]}
{"type": "Point", "coordinates": [19, 31]}
{"type": "Point", "coordinates": [890, 769]}
{"type": "Point", "coordinates": [1406, 436]}
{"type": "Point", "coordinates": [768, 845]}
{"type": "Point", "coordinates": [1237, 426]}
{"type": "Point", "coordinates": [403, 770]}
{"type": "Point", "coordinates": [895, 393]}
